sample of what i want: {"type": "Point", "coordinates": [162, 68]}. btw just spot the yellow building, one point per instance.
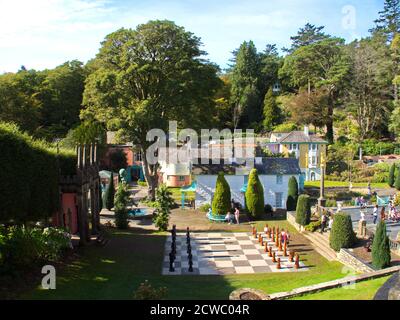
{"type": "Point", "coordinates": [308, 148]}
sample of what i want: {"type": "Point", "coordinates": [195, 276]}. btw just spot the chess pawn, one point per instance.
{"type": "Point", "coordinates": [277, 240]}
{"type": "Point", "coordinates": [255, 235]}
{"type": "Point", "coordinates": [273, 257]}
{"type": "Point", "coordinates": [284, 250]}
{"type": "Point", "coordinates": [273, 237]}
{"type": "Point", "coordinates": [266, 247]}
{"type": "Point", "coordinates": [297, 262]}
{"type": "Point", "coordinates": [269, 252]}
{"type": "Point", "coordinates": [278, 266]}
{"type": "Point", "coordinates": [291, 256]}
{"type": "Point", "coordinates": [270, 233]}
{"type": "Point", "coordinates": [280, 246]}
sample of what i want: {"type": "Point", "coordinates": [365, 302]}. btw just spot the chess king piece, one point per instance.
{"type": "Point", "coordinates": [278, 266]}
{"type": "Point", "coordinates": [297, 262]}
{"type": "Point", "coordinates": [273, 257]}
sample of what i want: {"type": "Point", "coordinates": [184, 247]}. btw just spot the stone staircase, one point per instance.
{"type": "Point", "coordinates": [320, 243]}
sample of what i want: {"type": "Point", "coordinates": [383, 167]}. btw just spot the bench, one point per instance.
{"type": "Point", "coordinates": [216, 218]}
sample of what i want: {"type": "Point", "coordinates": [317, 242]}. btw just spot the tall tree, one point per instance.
{"type": "Point", "coordinates": [272, 112]}
{"type": "Point", "coordinates": [245, 79]}
{"type": "Point", "coordinates": [146, 77]}
{"type": "Point", "coordinates": [369, 94]}
{"type": "Point", "coordinates": [389, 19]}
{"type": "Point", "coordinates": [322, 65]}
{"type": "Point", "coordinates": [307, 35]}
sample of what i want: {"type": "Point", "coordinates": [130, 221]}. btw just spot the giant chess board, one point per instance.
{"type": "Point", "coordinates": [225, 253]}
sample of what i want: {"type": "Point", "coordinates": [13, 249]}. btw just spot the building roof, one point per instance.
{"type": "Point", "coordinates": [267, 166]}
{"type": "Point", "coordinates": [300, 137]}
{"type": "Point", "coordinates": [278, 166]}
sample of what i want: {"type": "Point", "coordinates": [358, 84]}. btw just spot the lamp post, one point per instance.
{"type": "Point", "coordinates": [322, 200]}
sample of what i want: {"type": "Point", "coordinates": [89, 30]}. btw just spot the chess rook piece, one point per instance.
{"type": "Point", "coordinates": [273, 257]}
{"type": "Point", "coordinates": [269, 252]}
{"type": "Point", "coordinates": [278, 266]}
{"type": "Point", "coordinates": [297, 262]}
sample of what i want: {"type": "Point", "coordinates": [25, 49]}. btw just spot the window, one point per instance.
{"type": "Point", "coordinates": [313, 147]}
{"type": "Point", "coordinates": [313, 160]}
{"type": "Point", "coordinates": [138, 156]}
{"type": "Point", "coordinates": [293, 147]}
{"type": "Point", "coordinates": [181, 178]}
{"type": "Point", "coordinates": [279, 179]}
{"type": "Point", "coordinates": [278, 199]}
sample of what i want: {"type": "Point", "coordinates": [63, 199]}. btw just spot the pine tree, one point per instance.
{"type": "Point", "coordinates": [221, 203]}
{"type": "Point", "coordinates": [293, 194]}
{"type": "Point", "coordinates": [254, 195]}
{"type": "Point", "coordinates": [109, 194]}
{"type": "Point", "coordinates": [307, 35]}
{"type": "Point", "coordinates": [397, 181]}
{"type": "Point", "coordinates": [342, 234]}
{"type": "Point", "coordinates": [389, 19]}
{"type": "Point", "coordinates": [392, 172]}
{"type": "Point", "coordinates": [381, 247]}
{"type": "Point", "coordinates": [271, 112]}
{"type": "Point", "coordinates": [303, 210]}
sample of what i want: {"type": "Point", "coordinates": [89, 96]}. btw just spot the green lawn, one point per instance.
{"type": "Point", "coordinates": [362, 291]}
{"type": "Point", "coordinates": [116, 270]}
{"type": "Point", "coordinates": [345, 184]}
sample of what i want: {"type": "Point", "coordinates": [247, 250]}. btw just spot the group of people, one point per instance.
{"type": "Point", "coordinates": [233, 215]}
{"type": "Point", "coordinates": [326, 221]}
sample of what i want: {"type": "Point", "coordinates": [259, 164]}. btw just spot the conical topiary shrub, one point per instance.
{"type": "Point", "coordinates": [293, 194]}
{"type": "Point", "coordinates": [109, 194]}
{"type": "Point", "coordinates": [121, 206]}
{"type": "Point", "coordinates": [303, 210]}
{"type": "Point", "coordinates": [392, 172]}
{"type": "Point", "coordinates": [221, 203]}
{"type": "Point", "coordinates": [381, 247]}
{"type": "Point", "coordinates": [254, 195]}
{"type": "Point", "coordinates": [397, 181]}
{"type": "Point", "coordinates": [342, 233]}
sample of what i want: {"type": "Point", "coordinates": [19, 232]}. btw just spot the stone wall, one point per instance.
{"type": "Point", "coordinates": [291, 218]}
{"type": "Point", "coordinates": [350, 260]}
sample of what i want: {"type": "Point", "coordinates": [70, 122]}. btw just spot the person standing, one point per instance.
{"type": "Point", "coordinates": [330, 223]}
{"type": "Point", "coordinates": [323, 223]}
{"type": "Point", "coordinates": [237, 215]}
{"type": "Point", "coordinates": [375, 213]}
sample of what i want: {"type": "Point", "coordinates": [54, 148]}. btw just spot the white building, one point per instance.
{"type": "Point", "coordinates": [274, 174]}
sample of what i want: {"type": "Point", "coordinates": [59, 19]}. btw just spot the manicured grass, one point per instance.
{"type": "Point", "coordinates": [177, 194]}
{"type": "Point", "coordinates": [345, 184]}
{"type": "Point", "coordinates": [365, 290]}
{"type": "Point", "coordinates": [116, 270]}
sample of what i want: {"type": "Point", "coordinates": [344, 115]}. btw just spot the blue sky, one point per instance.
{"type": "Point", "coordinates": [45, 33]}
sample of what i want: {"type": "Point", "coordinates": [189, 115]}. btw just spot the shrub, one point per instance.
{"type": "Point", "coordinates": [342, 234]}
{"type": "Point", "coordinates": [381, 247]}
{"type": "Point", "coordinates": [313, 226]}
{"type": "Point", "coordinates": [331, 203]}
{"type": "Point", "coordinates": [303, 210]}
{"type": "Point", "coordinates": [121, 201]}
{"type": "Point", "coordinates": [254, 195]}
{"type": "Point", "coordinates": [205, 207]}
{"type": "Point", "coordinates": [165, 202]}
{"type": "Point", "coordinates": [109, 194]}
{"type": "Point", "coordinates": [142, 183]}
{"type": "Point", "coordinates": [221, 203]}
{"type": "Point", "coordinates": [56, 242]}
{"type": "Point", "coordinates": [268, 209]}
{"type": "Point", "coordinates": [392, 175]}
{"type": "Point", "coordinates": [147, 292]}
{"type": "Point", "coordinates": [397, 181]}
{"type": "Point", "coordinates": [293, 194]}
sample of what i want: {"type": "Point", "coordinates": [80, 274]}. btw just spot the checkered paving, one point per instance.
{"type": "Point", "coordinates": [225, 253]}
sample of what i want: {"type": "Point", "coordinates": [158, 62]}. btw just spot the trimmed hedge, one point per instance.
{"type": "Point", "coordinates": [303, 210]}
{"type": "Point", "coordinates": [293, 194]}
{"type": "Point", "coordinates": [392, 172]}
{"type": "Point", "coordinates": [342, 234]}
{"type": "Point", "coordinates": [254, 195]}
{"type": "Point", "coordinates": [381, 247]}
{"type": "Point", "coordinates": [221, 203]}
{"type": "Point", "coordinates": [29, 175]}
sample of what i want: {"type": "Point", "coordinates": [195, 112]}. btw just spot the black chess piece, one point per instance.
{"type": "Point", "coordinates": [190, 257]}
{"type": "Point", "coordinates": [187, 241]}
{"type": "Point", "coordinates": [171, 262]}
{"type": "Point", "coordinates": [189, 248]}
{"type": "Point", "coordinates": [190, 265]}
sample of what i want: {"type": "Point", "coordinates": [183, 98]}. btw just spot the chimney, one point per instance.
{"type": "Point", "coordinates": [306, 131]}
